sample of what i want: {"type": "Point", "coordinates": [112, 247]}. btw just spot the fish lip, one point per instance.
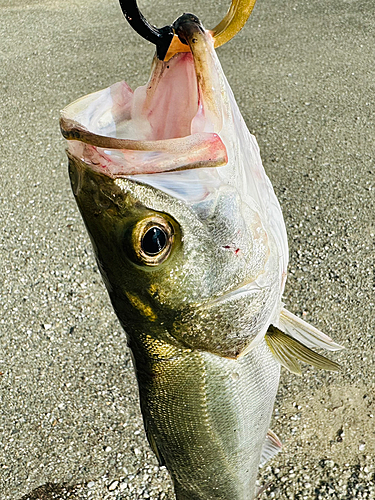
{"type": "Point", "coordinates": [173, 155]}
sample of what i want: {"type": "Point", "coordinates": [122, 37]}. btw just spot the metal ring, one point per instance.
{"type": "Point", "coordinates": [168, 43]}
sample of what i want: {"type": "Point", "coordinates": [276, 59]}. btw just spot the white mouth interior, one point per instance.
{"type": "Point", "coordinates": [162, 126]}
{"type": "Point", "coordinates": [166, 108]}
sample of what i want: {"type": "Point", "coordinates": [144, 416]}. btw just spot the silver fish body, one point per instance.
{"type": "Point", "coordinates": [191, 243]}
{"type": "Point", "coordinates": [206, 416]}
{"type": "Point", "coordinates": [210, 420]}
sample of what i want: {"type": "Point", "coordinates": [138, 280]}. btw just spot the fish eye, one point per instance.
{"type": "Point", "coordinates": [152, 240]}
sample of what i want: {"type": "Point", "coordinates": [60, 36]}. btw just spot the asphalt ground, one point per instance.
{"type": "Point", "coordinates": [303, 75]}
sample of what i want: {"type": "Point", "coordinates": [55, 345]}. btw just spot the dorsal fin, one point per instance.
{"type": "Point", "coordinates": [287, 350]}
{"type": "Point", "coordinates": [154, 447]}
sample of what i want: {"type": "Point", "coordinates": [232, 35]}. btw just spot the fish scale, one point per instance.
{"type": "Point", "coordinates": [209, 417]}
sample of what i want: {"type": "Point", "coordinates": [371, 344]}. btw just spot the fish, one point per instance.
{"type": "Point", "coordinates": [191, 244]}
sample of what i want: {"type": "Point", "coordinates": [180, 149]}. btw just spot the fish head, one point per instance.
{"type": "Point", "coordinates": [186, 229]}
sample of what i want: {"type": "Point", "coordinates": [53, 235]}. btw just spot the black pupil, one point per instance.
{"type": "Point", "coordinates": [154, 241]}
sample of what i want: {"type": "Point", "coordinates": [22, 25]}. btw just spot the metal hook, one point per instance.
{"type": "Point", "coordinates": [161, 37]}
{"type": "Point", "coordinates": [168, 43]}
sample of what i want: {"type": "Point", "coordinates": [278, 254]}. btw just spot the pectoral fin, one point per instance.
{"type": "Point", "coordinates": [271, 447]}
{"type": "Point", "coordinates": [288, 351]}
{"type": "Point", "coordinates": [305, 333]}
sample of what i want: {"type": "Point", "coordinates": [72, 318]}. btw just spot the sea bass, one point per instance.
{"type": "Point", "coordinates": [191, 244]}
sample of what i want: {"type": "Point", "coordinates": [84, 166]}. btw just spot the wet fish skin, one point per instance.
{"type": "Point", "coordinates": [188, 320]}
{"type": "Point", "coordinates": [206, 416]}
{"type": "Point", "coordinates": [185, 293]}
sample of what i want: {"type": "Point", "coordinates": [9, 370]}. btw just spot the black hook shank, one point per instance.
{"type": "Point", "coordinates": [161, 37]}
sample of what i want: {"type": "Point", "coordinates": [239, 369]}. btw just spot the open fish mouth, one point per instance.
{"type": "Point", "coordinates": [174, 122]}
{"type": "Point", "coordinates": [185, 125]}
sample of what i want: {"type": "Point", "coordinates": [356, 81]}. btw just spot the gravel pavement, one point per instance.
{"type": "Point", "coordinates": [303, 74]}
